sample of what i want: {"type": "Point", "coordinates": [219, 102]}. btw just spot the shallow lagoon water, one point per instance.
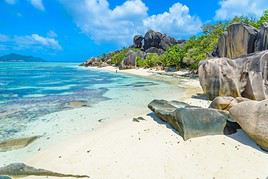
{"type": "Point", "coordinates": [29, 91]}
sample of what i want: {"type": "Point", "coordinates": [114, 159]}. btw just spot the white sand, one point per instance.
{"type": "Point", "coordinates": [122, 148]}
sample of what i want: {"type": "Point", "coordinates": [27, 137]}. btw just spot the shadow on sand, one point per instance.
{"type": "Point", "coordinates": [239, 136]}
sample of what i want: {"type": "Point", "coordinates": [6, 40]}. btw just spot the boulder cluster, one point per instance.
{"type": "Point", "coordinates": [237, 82]}
{"type": "Point", "coordinates": [241, 39]}
{"type": "Point", "coordinates": [154, 42]}
{"type": "Point", "coordinates": [151, 42]}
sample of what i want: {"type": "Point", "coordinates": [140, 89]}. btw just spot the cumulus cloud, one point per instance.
{"type": "Point", "coordinates": [33, 41]}
{"type": "Point", "coordinates": [38, 4]}
{"type": "Point", "coordinates": [230, 8]}
{"type": "Point", "coordinates": [176, 22]}
{"type": "Point", "coordinates": [102, 23]}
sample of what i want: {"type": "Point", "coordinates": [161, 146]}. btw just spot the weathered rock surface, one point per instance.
{"type": "Point", "coordinates": [262, 38]}
{"type": "Point", "coordinates": [137, 41]}
{"type": "Point", "coordinates": [252, 116]}
{"type": "Point", "coordinates": [152, 39]}
{"type": "Point", "coordinates": [226, 102]}
{"type": "Point", "coordinates": [167, 41]}
{"type": "Point", "coordinates": [246, 76]}
{"type": "Point", "coordinates": [155, 50]}
{"type": "Point", "coordinates": [190, 121]}
{"type": "Point", "coordinates": [13, 144]}
{"type": "Point", "coordinates": [130, 59]}
{"type": "Point", "coordinates": [20, 169]}
{"type": "Point", "coordinates": [239, 40]}
{"type": "Point", "coordinates": [158, 40]}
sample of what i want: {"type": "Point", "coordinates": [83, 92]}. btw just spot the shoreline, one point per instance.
{"type": "Point", "coordinates": [123, 148]}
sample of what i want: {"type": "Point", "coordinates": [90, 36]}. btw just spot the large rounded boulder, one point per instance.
{"type": "Point", "coordinates": [238, 40]}
{"type": "Point", "coordinates": [242, 77]}
{"type": "Point", "coordinates": [137, 41]}
{"type": "Point", "coordinates": [252, 116]}
{"type": "Point", "coordinates": [152, 39]}
{"type": "Point", "coordinates": [190, 121]}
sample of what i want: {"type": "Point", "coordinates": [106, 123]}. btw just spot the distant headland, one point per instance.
{"type": "Point", "coordinates": [13, 57]}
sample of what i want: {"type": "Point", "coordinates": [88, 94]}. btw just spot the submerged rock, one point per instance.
{"type": "Point", "coordinates": [13, 144]}
{"type": "Point", "coordinates": [5, 177]}
{"type": "Point", "coordinates": [190, 121]}
{"type": "Point", "coordinates": [246, 76]}
{"type": "Point", "coordinates": [252, 116]}
{"type": "Point", "coordinates": [77, 104]}
{"type": "Point", "coordinates": [20, 169]}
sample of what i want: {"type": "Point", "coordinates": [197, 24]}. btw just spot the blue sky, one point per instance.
{"type": "Point", "coordinates": [73, 30]}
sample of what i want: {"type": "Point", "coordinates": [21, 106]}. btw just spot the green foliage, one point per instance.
{"type": "Point", "coordinates": [152, 60]}
{"type": "Point", "coordinates": [117, 57]}
{"type": "Point", "coordinates": [197, 48]}
{"type": "Point", "coordinates": [251, 21]}
{"type": "Point", "coordinates": [193, 50]}
{"type": "Point", "coordinates": [140, 62]}
{"type": "Point", "coordinates": [263, 18]}
{"type": "Point", "coordinates": [173, 56]}
{"type": "Point", "coordinates": [246, 20]}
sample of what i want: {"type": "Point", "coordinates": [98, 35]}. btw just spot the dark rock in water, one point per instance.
{"type": "Point", "coordinates": [154, 50]}
{"type": "Point", "coordinates": [5, 177]}
{"type": "Point", "coordinates": [252, 116]}
{"type": "Point", "coordinates": [20, 169]}
{"type": "Point", "coordinates": [190, 121]}
{"type": "Point", "coordinates": [262, 38]}
{"type": "Point", "coordinates": [137, 41]}
{"type": "Point", "coordinates": [13, 144]}
{"type": "Point", "coordinates": [246, 76]}
{"type": "Point", "coordinates": [239, 40]}
{"type": "Point", "coordinates": [77, 104]}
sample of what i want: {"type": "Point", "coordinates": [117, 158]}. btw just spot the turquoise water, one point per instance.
{"type": "Point", "coordinates": [31, 90]}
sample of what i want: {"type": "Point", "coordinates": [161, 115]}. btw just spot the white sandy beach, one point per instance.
{"type": "Point", "coordinates": [122, 148]}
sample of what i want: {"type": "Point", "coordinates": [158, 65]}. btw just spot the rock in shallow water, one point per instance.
{"type": "Point", "coordinates": [20, 169]}
{"type": "Point", "coordinates": [13, 144]}
{"type": "Point", "coordinates": [252, 116]}
{"type": "Point", "coordinates": [190, 121]}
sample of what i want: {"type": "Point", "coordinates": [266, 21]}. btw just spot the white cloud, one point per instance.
{"type": "Point", "coordinates": [33, 41]}
{"type": "Point", "coordinates": [38, 4]}
{"type": "Point", "coordinates": [11, 2]}
{"type": "Point", "coordinates": [249, 8]}
{"type": "Point", "coordinates": [176, 22]}
{"type": "Point", "coordinates": [102, 23]}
